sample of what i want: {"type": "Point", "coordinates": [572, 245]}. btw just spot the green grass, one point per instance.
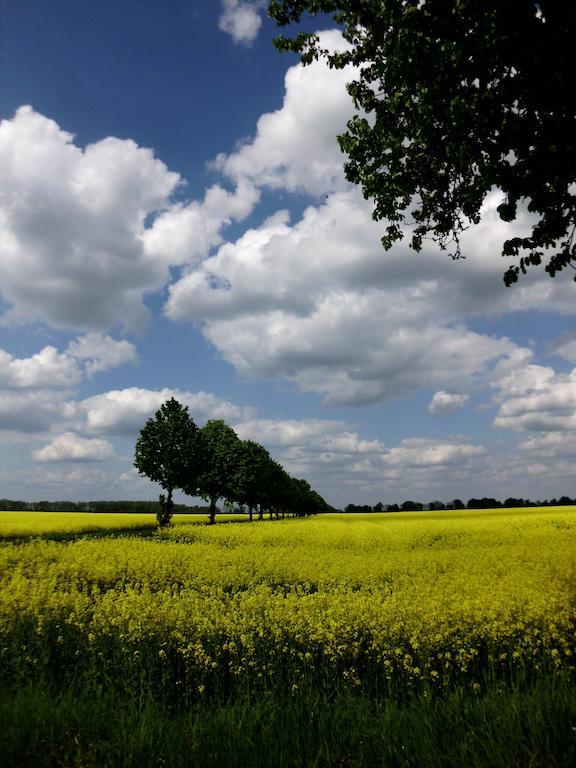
{"type": "Point", "coordinates": [499, 729]}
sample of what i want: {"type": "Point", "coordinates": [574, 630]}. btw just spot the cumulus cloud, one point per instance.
{"type": "Point", "coordinates": [550, 445]}
{"type": "Point", "coordinates": [125, 411]}
{"type": "Point", "coordinates": [423, 452]}
{"type": "Point", "coordinates": [565, 347]}
{"type": "Point", "coordinates": [517, 374]}
{"type": "Point", "coordinates": [48, 369]}
{"type": "Point", "coordinates": [444, 403]}
{"type": "Point", "coordinates": [295, 148]}
{"type": "Point", "coordinates": [88, 232]}
{"type": "Point", "coordinates": [72, 447]}
{"type": "Point", "coordinates": [329, 453]}
{"type": "Point", "coordinates": [71, 222]}
{"type": "Point", "coordinates": [343, 465]}
{"type": "Point", "coordinates": [286, 432]}
{"type": "Point", "coordinates": [335, 352]}
{"type": "Point", "coordinates": [321, 304]}
{"type": "Point", "coordinates": [185, 232]}
{"type": "Point", "coordinates": [548, 405]}
{"type": "Point", "coordinates": [68, 482]}
{"type": "Point", "coordinates": [540, 405]}
{"type": "Point", "coordinates": [33, 412]}
{"type": "Point", "coordinates": [100, 353]}
{"type": "Point", "coordinates": [241, 20]}
{"type": "Point", "coordinates": [36, 392]}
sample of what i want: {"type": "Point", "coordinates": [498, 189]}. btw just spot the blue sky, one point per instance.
{"type": "Point", "coordinates": [174, 220]}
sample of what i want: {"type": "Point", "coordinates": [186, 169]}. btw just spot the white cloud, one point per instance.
{"type": "Point", "coordinates": [241, 19]}
{"type": "Point", "coordinates": [328, 453]}
{"type": "Point", "coordinates": [100, 353]}
{"type": "Point", "coordinates": [185, 233]}
{"type": "Point", "coordinates": [549, 406]}
{"type": "Point", "coordinates": [550, 445]}
{"type": "Point", "coordinates": [68, 483]}
{"type": "Point", "coordinates": [566, 347]}
{"type": "Point", "coordinates": [48, 369]}
{"type": "Point", "coordinates": [287, 432]}
{"type": "Point", "coordinates": [71, 221]}
{"type": "Point", "coordinates": [423, 452]}
{"type": "Point", "coordinates": [518, 375]}
{"type": "Point", "coordinates": [344, 466]}
{"type": "Point", "coordinates": [295, 148]}
{"type": "Point", "coordinates": [338, 353]}
{"type": "Point", "coordinates": [34, 412]}
{"type": "Point", "coordinates": [444, 403]}
{"type": "Point", "coordinates": [125, 411]}
{"type": "Point", "coordinates": [72, 447]}
{"type": "Point", "coordinates": [36, 392]}
{"type": "Point", "coordinates": [320, 303]}
{"type": "Point", "coordinates": [88, 232]}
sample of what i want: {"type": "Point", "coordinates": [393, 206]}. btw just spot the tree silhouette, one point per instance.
{"type": "Point", "coordinates": [220, 452]}
{"type": "Point", "coordinates": [167, 453]}
{"type": "Point", "coordinates": [456, 98]}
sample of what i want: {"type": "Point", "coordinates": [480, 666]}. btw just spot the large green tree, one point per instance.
{"type": "Point", "coordinates": [167, 453]}
{"type": "Point", "coordinates": [456, 98]}
{"type": "Point", "coordinates": [252, 475]}
{"type": "Point", "coordinates": [276, 494]}
{"type": "Point", "coordinates": [220, 447]}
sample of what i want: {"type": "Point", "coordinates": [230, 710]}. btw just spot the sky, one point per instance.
{"type": "Point", "coordinates": [175, 221]}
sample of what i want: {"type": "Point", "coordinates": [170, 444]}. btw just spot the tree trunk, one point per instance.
{"type": "Point", "coordinates": [213, 510]}
{"type": "Point", "coordinates": [169, 507]}
{"type": "Point", "coordinates": [166, 507]}
{"type": "Point", "coordinates": [250, 511]}
{"type": "Point", "coordinates": [161, 508]}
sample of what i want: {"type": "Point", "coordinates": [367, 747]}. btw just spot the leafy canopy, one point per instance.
{"type": "Point", "coordinates": [167, 451]}
{"type": "Point", "coordinates": [253, 465]}
{"type": "Point", "coordinates": [220, 446]}
{"type": "Point", "coordinates": [456, 98]}
{"type": "Point", "coordinates": [213, 462]}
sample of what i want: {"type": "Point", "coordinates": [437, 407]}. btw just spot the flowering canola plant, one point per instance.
{"type": "Point", "coordinates": [386, 604]}
{"type": "Point", "coordinates": [30, 524]}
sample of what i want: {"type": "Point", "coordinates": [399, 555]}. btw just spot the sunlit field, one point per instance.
{"type": "Point", "coordinates": [402, 610]}
{"type": "Point", "coordinates": [30, 524]}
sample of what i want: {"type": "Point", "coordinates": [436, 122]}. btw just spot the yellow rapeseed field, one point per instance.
{"type": "Point", "coordinates": [26, 524]}
{"type": "Point", "coordinates": [385, 603]}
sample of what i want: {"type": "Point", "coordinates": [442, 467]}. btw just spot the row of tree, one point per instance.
{"type": "Point", "coordinates": [484, 503]}
{"type": "Point", "coordinates": [213, 463]}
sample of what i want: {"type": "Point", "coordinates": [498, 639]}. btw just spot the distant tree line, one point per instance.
{"type": "Point", "coordinates": [130, 507]}
{"type": "Point", "coordinates": [214, 463]}
{"type": "Point", "coordinates": [484, 503]}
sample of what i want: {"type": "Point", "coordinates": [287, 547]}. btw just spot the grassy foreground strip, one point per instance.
{"type": "Point", "coordinates": [499, 729]}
